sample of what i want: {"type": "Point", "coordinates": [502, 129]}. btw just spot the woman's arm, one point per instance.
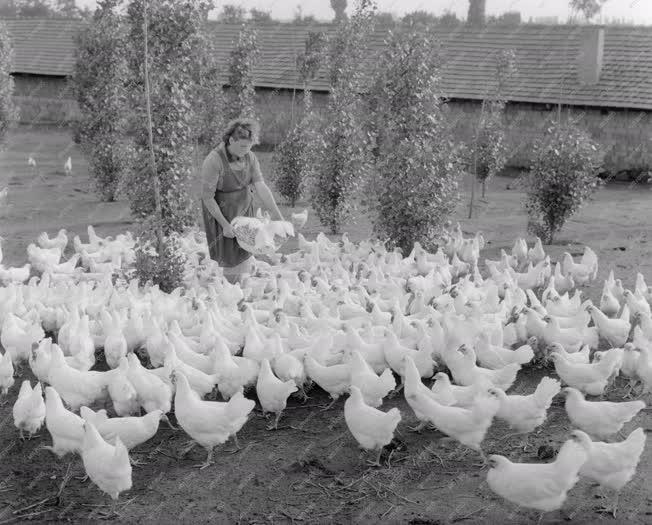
{"type": "Point", "coordinates": [265, 195]}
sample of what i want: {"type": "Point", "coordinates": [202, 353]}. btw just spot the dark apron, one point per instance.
{"type": "Point", "coordinates": [234, 199]}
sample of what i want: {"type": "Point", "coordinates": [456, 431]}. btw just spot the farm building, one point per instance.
{"type": "Point", "coordinates": [601, 75]}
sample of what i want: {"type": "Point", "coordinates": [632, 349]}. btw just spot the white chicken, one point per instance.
{"type": "Point", "coordinates": [370, 427]}
{"type": "Point", "coordinates": [336, 379]}
{"type": "Point", "coordinates": [208, 423]}
{"type": "Point", "coordinates": [373, 387]}
{"type": "Point", "coordinates": [29, 409]}
{"type": "Point", "coordinates": [106, 465]}
{"type": "Point", "coordinates": [614, 331]}
{"type": "Point", "coordinates": [599, 419]}
{"type": "Point", "coordinates": [590, 378]}
{"type": "Point", "coordinates": [299, 219]}
{"type": "Point", "coordinates": [612, 465]}
{"type": "Point", "coordinates": [466, 425]}
{"type": "Point", "coordinates": [543, 487]}
{"type": "Point", "coordinates": [66, 428]}
{"type": "Point", "coordinates": [67, 167]}
{"type": "Point", "coordinates": [132, 431]}
{"type": "Point", "coordinates": [525, 413]}
{"type": "Point", "coordinates": [6, 373]}
{"type": "Point", "coordinates": [272, 392]}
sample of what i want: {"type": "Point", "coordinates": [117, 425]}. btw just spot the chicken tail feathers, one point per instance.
{"type": "Point", "coordinates": [546, 390]}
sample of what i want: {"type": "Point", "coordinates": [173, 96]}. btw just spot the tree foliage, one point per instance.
{"type": "Point", "coordinates": [244, 56]}
{"type": "Point", "coordinates": [8, 110]}
{"type": "Point", "coordinates": [43, 9]}
{"type": "Point", "coordinates": [174, 36]}
{"type": "Point", "coordinates": [292, 156]}
{"type": "Point", "coordinates": [209, 99]}
{"type": "Point", "coordinates": [426, 19]}
{"type": "Point", "coordinates": [258, 16]}
{"type": "Point", "coordinates": [340, 158]}
{"type": "Point", "coordinates": [418, 166]}
{"type": "Point", "coordinates": [489, 153]}
{"type": "Point", "coordinates": [339, 6]}
{"type": "Point", "coordinates": [563, 175]}
{"type": "Point", "coordinates": [588, 8]}
{"type": "Point", "coordinates": [232, 14]}
{"type": "Point", "coordinates": [99, 87]}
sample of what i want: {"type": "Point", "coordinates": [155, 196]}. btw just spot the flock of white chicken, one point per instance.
{"type": "Point", "coordinates": [350, 318]}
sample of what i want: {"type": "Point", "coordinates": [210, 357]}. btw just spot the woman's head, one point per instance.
{"type": "Point", "coordinates": [240, 135]}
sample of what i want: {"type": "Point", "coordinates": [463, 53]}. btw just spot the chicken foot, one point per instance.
{"type": "Point", "coordinates": [376, 463]}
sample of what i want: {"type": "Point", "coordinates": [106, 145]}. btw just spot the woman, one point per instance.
{"type": "Point", "coordinates": [231, 174]}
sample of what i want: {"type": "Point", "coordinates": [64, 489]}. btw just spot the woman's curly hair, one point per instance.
{"type": "Point", "coordinates": [241, 128]}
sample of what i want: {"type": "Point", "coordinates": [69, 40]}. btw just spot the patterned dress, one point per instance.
{"type": "Point", "coordinates": [234, 196]}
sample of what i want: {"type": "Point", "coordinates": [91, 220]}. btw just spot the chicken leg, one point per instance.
{"type": "Point", "coordinates": [377, 462]}
{"type": "Point", "coordinates": [274, 425]}
{"type": "Point", "coordinates": [209, 459]}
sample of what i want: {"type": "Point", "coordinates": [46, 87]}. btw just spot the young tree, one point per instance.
{"type": "Point", "coordinates": [339, 6]}
{"type": "Point", "coordinates": [173, 38]}
{"type": "Point", "coordinates": [232, 14]}
{"type": "Point", "coordinates": [588, 8]}
{"type": "Point", "coordinates": [340, 158]}
{"type": "Point", "coordinates": [258, 16]}
{"type": "Point", "coordinates": [418, 166]}
{"type": "Point", "coordinates": [488, 152]}
{"type": "Point", "coordinates": [563, 175]}
{"type": "Point", "coordinates": [99, 86]}
{"type": "Point", "coordinates": [292, 156]}
{"type": "Point", "coordinates": [8, 110]}
{"type": "Point", "coordinates": [209, 100]}
{"type": "Point", "coordinates": [244, 56]}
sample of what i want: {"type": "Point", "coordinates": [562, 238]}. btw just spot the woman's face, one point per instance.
{"type": "Point", "coordinates": [240, 147]}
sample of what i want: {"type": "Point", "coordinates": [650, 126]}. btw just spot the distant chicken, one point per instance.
{"type": "Point", "coordinates": [67, 167]}
{"type": "Point", "coordinates": [299, 219]}
{"type": "Point", "coordinates": [60, 241]}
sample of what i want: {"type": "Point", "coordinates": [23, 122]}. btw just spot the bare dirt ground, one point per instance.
{"type": "Point", "coordinates": [309, 470]}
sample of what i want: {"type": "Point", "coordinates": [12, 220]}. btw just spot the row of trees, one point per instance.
{"type": "Point", "coordinates": [392, 147]}
{"type": "Point", "coordinates": [148, 86]}
{"type": "Point", "coordinates": [43, 9]}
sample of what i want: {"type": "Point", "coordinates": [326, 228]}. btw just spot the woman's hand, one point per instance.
{"type": "Point", "coordinates": [228, 232]}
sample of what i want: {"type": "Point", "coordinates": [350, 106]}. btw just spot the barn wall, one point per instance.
{"type": "Point", "coordinates": [625, 135]}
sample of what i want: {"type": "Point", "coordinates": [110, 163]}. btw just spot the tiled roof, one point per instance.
{"type": "Point", "coordinates": [43, 46]}
{"type": "Point", "coordinates": [546, 59]}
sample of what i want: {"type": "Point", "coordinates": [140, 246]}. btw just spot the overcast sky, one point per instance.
{"type": "Point", "coordinates": [639, 11]}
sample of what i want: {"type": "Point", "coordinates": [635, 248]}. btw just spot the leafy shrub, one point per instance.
{"type": "Point", "coordinates": [491, 147]}
{"type": "Point", "coordinates": [418, 166]}
{"type": "Point", "coordinates": [563, 175]}
{"type": "Point", "coordinates": [163, 266]}
{"type": "Point", "coordinates": [8, 110]}
{"type": "Point", "coordinates": [340, 158]}
{"type": "Point", "coordinates": [98, 85]}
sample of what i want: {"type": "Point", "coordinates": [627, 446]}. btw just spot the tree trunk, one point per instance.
{"type": "Point", "coordinates": [484, 188]}
{"type": "Point", "coordinates": [150, 138]}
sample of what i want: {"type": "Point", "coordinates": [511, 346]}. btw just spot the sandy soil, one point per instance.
{"type": "Point", "coordinates": [309, 470]}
